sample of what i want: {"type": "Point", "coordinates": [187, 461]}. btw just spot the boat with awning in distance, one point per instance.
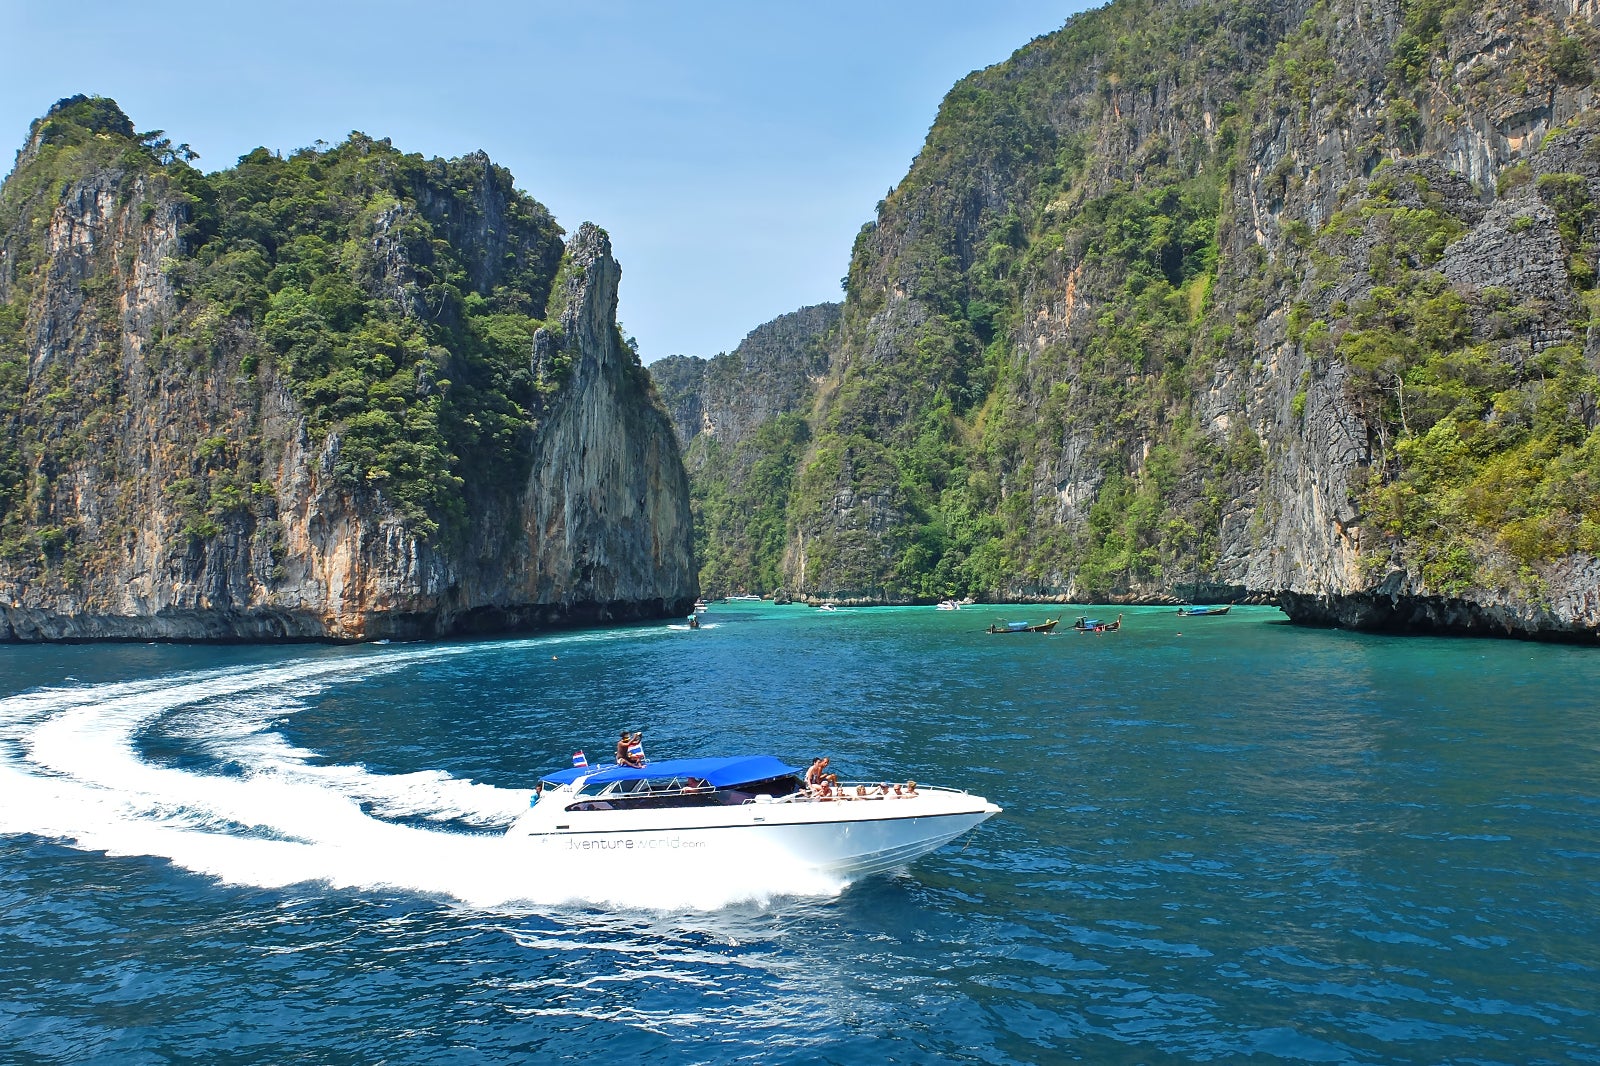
{"type": "Point", "coordinates": [1085, 624]}
{"type": "Point", "coordinates": [1200, 612]}
{"type": "Point", "coordinates": [745, 808]}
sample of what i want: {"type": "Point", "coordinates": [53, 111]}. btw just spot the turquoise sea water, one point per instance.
{"type": "Point", "coordinates": [1224, 840]}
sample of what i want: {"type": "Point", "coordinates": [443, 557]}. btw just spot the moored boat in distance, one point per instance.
{"type": "Point", "coordinates": [1200, 612]}
{"type": "Point", "coordinates": [699, 605]}
{"type": "Point", "coordinates": [1085, 624]}
{"type": "Point", "coordinates": [748, 808]}
{"type": "Point", "coordinates": [1023, 627]}
{"type": "Point", "coordinates": [826, 607]}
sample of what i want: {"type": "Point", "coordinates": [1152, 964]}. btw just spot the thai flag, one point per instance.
{"type": "Point", "coordinates": [578, 759]}
{"type": "Point", "coordinates": [636, 751]}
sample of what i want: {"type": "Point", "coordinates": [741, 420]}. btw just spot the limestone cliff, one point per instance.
{"type": "Point", "coordinates": [741, 419]}
{"type": "Point", "coordinates": [349, 394]}
{"type": "Point", "coordinates": [775, 370]}
{"type": "Point", "coordinates": [1285, 300]}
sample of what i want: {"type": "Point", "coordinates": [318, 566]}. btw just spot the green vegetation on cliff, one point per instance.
{"type": "Point", "coordinates": [943, 439]}
{"type": "Point", "coordinates": [1487, 457]}
{"type": "Point", "coordinates": [395, 297]}
{"type": "Point", "coordinates": [742, 419]}
{"type": "Point", "coordinates": [1224, 292]}
{"type": "Point", "coordinates": [739, 497]}
{"type": "Point", "coordinates": [385, 331]}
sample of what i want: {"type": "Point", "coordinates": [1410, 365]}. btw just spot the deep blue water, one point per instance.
{"type": "Point", "coordinates": [1224, 840]}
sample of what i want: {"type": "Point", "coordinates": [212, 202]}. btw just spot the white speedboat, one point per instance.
{"type": "Point", "coordinates": [751, 808]}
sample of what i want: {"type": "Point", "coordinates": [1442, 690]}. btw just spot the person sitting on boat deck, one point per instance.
{"type": "Point", "coordinates": [814, 775]}
{"type": "Point", "coordinates": [883, 788]}
{"type": "Point", "coordinates": [624, 756]}
{"type": "Point", "coordinates": [861, 792]}
{"type": "Point", "coordinates": [911, 788]}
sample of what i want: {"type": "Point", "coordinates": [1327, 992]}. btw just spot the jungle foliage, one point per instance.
{"type": "Point", "coordinates": [1032, 323]}
{"type": "Point", "coordinates": [395, 297]}
{"type": "Point", "coordinates": [947, 445]}
{"type": "Point", "coordinates": [738, 497]}
{"type": "Point", "coordinates": [1487, 451]}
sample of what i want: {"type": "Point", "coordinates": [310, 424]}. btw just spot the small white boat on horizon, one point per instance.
{"type": "Point", "coordinates": [744, 808]}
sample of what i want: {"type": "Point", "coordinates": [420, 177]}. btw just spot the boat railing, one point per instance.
{"type": "Point", "coordinates": [846, 793]}
{"type": "Point", "coordinates": [676, 791]}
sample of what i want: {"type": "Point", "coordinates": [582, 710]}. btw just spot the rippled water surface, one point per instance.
{"type": "Point", "coordinates": [1224, 839]}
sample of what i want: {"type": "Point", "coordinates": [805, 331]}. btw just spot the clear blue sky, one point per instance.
{"type": "Point", "coordinates": [732, 150]}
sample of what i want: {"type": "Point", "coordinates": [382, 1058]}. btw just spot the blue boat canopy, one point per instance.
{"type": "Point", "coordinates": [718, 773]}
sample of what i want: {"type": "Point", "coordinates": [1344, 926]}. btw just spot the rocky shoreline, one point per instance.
{"type": "Point", "coordinates": [28, 626]}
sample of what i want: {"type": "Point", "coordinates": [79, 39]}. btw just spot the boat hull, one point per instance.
{"type": "Point", "coordinates": [847, 839]}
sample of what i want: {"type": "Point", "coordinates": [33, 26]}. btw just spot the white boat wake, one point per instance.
{"type": "Point", "coordinates": [71, 771]}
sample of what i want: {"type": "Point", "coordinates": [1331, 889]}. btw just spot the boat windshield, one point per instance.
{"type": "Point", "coordinates": [674, 791]}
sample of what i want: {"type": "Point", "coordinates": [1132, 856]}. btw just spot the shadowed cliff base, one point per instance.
{"type": "Point", "coordinates": [23, 626]}
{"type": "Point", "coordinates": [1373, 612]}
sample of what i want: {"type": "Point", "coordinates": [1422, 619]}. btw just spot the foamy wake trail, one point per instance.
{"type": "Point", "coordinates": [70, 770]}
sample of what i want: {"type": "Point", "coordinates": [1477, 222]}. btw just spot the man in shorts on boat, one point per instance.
{"type": "Point", "coordinates": [814, 775]}
{"type": "Point", "coordinates": [624, 756]}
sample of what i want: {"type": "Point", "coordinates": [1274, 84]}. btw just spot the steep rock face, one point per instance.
{"type": "Point", "coordinates": [606, 514]}
{"type": "Point", "coordinates": [1446, 206]}
{"type": "Point", "coordinates": [163, 479]}
{"type": "Point", "coordinates": [1285, 300]}
{"type": "Point", "coordinates": [741, 419]}
{"type": "Point", "coordinates": [1018, 319]}
{"type": "Point", "coordinates": [680, 382]}
{"type": "Point", "coordinates": [775, 370]}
